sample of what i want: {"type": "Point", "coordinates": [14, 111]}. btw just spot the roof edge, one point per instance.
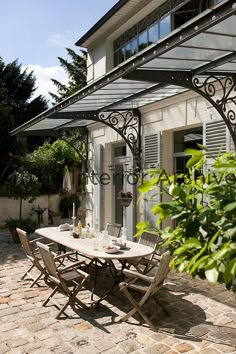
{"type": "Point", "coordinates": [102, 20]}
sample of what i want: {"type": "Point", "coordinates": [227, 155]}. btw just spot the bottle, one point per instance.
{"type": "Point", "coordinates": [123, 236]}
{"type": "Point", "coordinates": [79, 227]}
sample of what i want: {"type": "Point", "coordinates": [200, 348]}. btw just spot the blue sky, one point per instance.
{"type": "Point", "coordinates": [37, 32]}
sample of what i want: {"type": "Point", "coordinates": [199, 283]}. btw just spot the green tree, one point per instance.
{"type": "Point", "coordinates": [76, 70]}
{"type": "Point", "coordinates": [47, 162]}
{"type": "Point", "coordinates": [203, 207]}
{"type": "Point", "coordinates": [22, 185]}
{"type": "Point", "coordinates": [17, 106]}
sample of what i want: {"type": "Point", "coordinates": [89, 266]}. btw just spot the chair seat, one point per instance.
{"type": "Point", "coordinates": [63, 278]}
{"type": "Point", "coordinates": [71, 275]}
{"type": "Point", "coordinates": [153, 284]}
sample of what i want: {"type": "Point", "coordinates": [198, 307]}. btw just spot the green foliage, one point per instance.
{"type": "Point", "coordinates": [27, 225]}
{"type": "Point", "coordinates": [16, 107]}
{"type": "Point", "coordinates": [66, 204]}
{"type": "Point", "coordinates": [76, 71]}
{"type": "Point", "coordinates": [203, 207]}
{"type": "Point", "coordinates": [64, 154]}
{"type": "Point", "coordinates": [48, 162]}
{"type": "Point", "coordinates": [22, 185]}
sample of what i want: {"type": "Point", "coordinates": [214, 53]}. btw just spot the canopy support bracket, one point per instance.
{"type": "Point", "coordinates": [128, 125]}
{"type": "Point", "coordinates": [219, 89]}
{"type": "Point", "coordinates": [221, 93]}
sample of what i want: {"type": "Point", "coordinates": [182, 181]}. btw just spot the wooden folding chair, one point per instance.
{"type": "Point", "coordinates": [113, 229]}
{"type": "Point", "coordinates": [32, 254]}
{"type": "Point", "coordinates": [146, 264]}
{"type": "Point", "coordinates": [63, 279]}
{"type": "Point", "coordinates": [148, 291]}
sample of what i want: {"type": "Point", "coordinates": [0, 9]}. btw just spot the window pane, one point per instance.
{"type": "Point", "coordinates": [131, 33]}
{"type": "Point", "coordinates": [164, 9]}
{"type": "Point", "coordinates": [153, 17]}
{"type": "Point", "coordinates": [153, 33]}
{"type": "Point", "coordinates": [134, 45]}
{"type": "Point", "coordinates": [128, 50]}
{"type": "Point", "coordinates": [116, 59]}
{"type": "Point", "coordinates": [119, 56]}
{"type": "Point", "coordinates": [142, 26]}
{"type": "Point", "coordinates": [165, 27]}
{"type": "Point", "coordinates": [142, 40]}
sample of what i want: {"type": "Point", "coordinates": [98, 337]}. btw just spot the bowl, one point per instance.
{"type": "Point", "coordinates": [111, 249]}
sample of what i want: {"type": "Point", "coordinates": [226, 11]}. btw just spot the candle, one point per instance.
{"type": "Point", "coordinates": [96, 213]}
{"type": "Point", "coordinates": [73, 210]}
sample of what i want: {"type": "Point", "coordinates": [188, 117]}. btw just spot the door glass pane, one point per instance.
{"type": "Point", "coordinates": [118, 185]}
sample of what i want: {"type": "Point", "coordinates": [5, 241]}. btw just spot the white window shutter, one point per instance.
{"type": "Point", "coordinates": [216, 137]}
{"type": "Point", "coordinates": [152, 150]}
{"type": "Point", "coordinates": [152, 158]}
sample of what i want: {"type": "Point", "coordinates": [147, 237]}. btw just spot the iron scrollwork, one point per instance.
{"type": "Point", "coordinates": [78, 139]}
{"type": "Point", "coordinates": [127, 124]}
{"type": "Point", "coordinates": [221, 93]}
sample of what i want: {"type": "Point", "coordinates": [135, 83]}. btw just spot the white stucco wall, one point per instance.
{"type": "Point", "coordinates": [184, 111]}
{"type": "Point", "coordinates": [187, 110]}
{"type": "Point", "coordinates": [9, 208]}
{"type": "Point", "coordinates": [96, 64]}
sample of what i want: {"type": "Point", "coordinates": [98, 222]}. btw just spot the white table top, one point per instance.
{"type": "Point", "coordinates": [86, 246]}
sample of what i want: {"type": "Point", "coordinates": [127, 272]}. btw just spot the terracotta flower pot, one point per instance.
{"type": "Point", "coordinates": [14, 234]}
{"type": "Point", "coordinates": [125, 201]}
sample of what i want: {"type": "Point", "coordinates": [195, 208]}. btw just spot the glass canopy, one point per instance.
{"type": "Point", "coordinates": [204, 46]}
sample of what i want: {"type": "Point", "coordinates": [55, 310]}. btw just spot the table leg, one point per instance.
{"type": "Point", "coordinates": [117, 275]}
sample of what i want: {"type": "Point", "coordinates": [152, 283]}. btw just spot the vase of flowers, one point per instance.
{"type": "Point", "coordinates": [125, 198]}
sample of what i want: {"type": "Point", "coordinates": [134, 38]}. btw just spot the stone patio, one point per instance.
{"type": "Point", "coordinates": [202, 318]}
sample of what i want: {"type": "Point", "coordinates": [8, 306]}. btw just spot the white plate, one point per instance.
{"type": "Point", "coordinates": [115, 249]}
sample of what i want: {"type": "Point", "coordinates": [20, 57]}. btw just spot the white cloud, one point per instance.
{"type": "Point", "coordinates": [44, 76]}
{"type": "Point", "coordinates": [62, 40]}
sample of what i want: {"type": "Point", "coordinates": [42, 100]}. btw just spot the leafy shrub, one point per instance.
{"type": "Point", "coordinates": [203, 207]}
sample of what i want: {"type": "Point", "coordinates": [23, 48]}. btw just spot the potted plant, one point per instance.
{"type": "Point", "coordinates": [21, 185]}
{"type": "Point", "coordinates": [27, 225]}
{"type": "Point", "coordinates": [125, 198]}
{"type": "Point", "coordinates": [66, 204]}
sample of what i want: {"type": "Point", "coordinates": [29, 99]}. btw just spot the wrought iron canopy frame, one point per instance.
{"type": "Point", "coordinates": [126, 123]}
{"type": "Point", "coordinates": [217, 88]}
{"type": "Point", "coordinates": [90, 103]}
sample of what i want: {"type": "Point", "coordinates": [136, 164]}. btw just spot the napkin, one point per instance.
{"type": "Point", "coordinates": [64, 227]}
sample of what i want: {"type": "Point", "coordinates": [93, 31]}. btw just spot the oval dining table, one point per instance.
{"type": "Point", "coordinates": [85, 247]}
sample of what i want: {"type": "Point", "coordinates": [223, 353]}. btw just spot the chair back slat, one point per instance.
{"type": "Point", "coordinates": [113, 229]}
{"type": "Point", "coordinates": [149, 239]}
{"type": "Point", "coordinates": [24, 239]}
{"type": "Point", "coordinates": [162, 270]}
{"type": "Point", "coordinates": [48, 260]}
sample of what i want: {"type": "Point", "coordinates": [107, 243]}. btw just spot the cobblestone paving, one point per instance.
{"type": "Point", "coordinates": [202, 318]}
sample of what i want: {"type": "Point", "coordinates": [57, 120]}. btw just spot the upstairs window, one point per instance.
{"type": "Point", "coordinates": [158, 24]}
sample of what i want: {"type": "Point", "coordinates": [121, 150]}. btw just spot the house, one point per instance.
{"type": "Point", "coordinates": [160, 79]}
